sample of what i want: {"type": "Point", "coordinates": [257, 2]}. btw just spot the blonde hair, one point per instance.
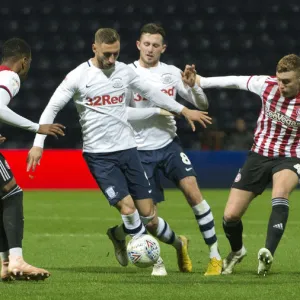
{"type": "Point", "coordinates": [106, 36]}
{"type": "Point", "coordinates": [288, 63]}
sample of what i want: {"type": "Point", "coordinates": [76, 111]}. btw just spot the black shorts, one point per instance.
{"type": "Point", "coordinates": [119, 174]}
{"type": "Point", "coordinates": [170, 161]}
{"type": "Point", "coordinates": [6, 174]}
{"type": "Point", "coordinates": [258, 171]}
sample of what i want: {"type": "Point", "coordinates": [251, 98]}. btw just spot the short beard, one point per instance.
{"type": "Point", "coordinates": [103, 66]}
{"type": "Point", "coordinates": [152, 64]}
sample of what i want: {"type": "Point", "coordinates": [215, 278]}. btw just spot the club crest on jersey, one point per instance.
{"type": "Point", "coordinates": [15, 83]}
{"type": "Point", "coordinates": [111, 193]}
{"type": "Point", "coordinates": [166, 78]}
{"type": "Point", "coordinates": [238, 176]}
{"type": "Point", "coordinates": [117, 83]}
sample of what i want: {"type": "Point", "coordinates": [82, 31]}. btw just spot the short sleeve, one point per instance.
{"type": "Point", "coordinates": [256, 83]}
{"type": "Point", "coordinates": [10, 82]}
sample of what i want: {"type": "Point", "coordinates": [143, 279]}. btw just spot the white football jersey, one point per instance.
{"type": "Point", "coordinates": [158, 131]}
{"type": "Point", "coordinates": [100, 100]}
{"type": "Point", "coordinates": [9, 87]}
{"type": "Point", "coordinates": [9, 81]}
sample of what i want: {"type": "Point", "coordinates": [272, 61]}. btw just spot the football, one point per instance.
{"type": "Point", "coordinates": [143, 251]}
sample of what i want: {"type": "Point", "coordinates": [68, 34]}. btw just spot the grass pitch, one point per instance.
{"type": "Point", "coordinates": [65, 233]}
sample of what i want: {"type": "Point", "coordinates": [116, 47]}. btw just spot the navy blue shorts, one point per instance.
{"type": "Point", "coordinates": [119, 174]}
{"type": "Point", "coordinates": [170, 161]}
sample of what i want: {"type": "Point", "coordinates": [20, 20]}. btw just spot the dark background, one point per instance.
{"type": "Point", "coordinates": [220, 37]}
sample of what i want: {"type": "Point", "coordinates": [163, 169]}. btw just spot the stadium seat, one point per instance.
{"type": "Point", "coordinates": [240, 38]}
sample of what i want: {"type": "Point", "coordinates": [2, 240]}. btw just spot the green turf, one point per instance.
{"type": "Point", "coordinates": [65, 233]}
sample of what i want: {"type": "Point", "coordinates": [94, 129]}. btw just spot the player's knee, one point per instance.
{"type": "Point", "coordinates": [148, 220]}
{"type": "Point", "coordinates": [152, 226]}
{"type": "Point", "coordinates": [9, 186]}
{"type": "Point", "coordinates": [231, 216]}
{"type": "Point", "coordinates": [125, 208]}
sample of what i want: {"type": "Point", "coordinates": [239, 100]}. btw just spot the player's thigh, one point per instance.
{"type": "Point", "coordinates": [108, 175]}
{"type": "Point", "coordinates": [7, 180]}
{"type": "Point", "coordinates": [255, 174]}
{"type": "Point", "coordinates": [137, 181]}
{"type": "Point", "coordinates": [237, 204]}
{"type": "Point", "coordinates": [176, 164]}
{"type": "Point", "coordinates": [157, 187]}
{"type": "Point", "coordinates": [286, 177]}
{"type": "Point", "coordinates": [150, 161]}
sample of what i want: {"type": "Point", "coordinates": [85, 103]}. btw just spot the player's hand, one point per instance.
{"type": "Point", "coordinates": [34, 158]}
{"type": "Point", "coordinates": [164, 112]}
{"type": "Point", "coordinates": [2, 139]}
{"type": "Point", "coordinates": [189, 75]}
{"type": "Point", "coordinates": [52, 129]}
{"type": "Point", "coordinates": [196, 116]}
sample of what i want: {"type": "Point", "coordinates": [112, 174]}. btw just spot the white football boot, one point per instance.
{"type": "Point", "coordinates": [265, 260]}
{"type": "Point", "coordinates": [232, 259]}
{"type": "Point", "coordinates": [159, 268]}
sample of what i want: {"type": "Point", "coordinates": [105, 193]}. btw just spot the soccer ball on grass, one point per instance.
{"type": "Point", "coordinates": [143, 251]}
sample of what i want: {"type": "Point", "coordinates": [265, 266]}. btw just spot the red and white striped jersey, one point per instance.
{"type": "Point", "coordinates": [278, 126]}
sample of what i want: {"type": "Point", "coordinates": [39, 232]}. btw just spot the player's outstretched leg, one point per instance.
{"type": "Point", "coordinates": [205, 220]}
{"type": "Point", "coordinates": [13, 224]}
{"type": "Point", "coordinates": [276, 227]}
